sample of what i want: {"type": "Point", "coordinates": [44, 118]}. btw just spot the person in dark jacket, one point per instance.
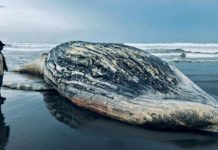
{"type": "Point", "coordinates": [3, 67]}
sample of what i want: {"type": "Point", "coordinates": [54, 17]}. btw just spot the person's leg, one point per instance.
{"type": "Point", "coordinates": [1, 80]}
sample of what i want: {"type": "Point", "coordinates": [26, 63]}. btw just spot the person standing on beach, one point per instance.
{"type": "Point", "coordinates": [3, 67]}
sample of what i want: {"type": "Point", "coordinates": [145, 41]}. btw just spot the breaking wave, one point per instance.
{"type": "Point", "coordinates": [182, 52]}
{"type": "Point", "coordinates": [171, 52]}
{"type": "Point", "coordinates": [30, 46]}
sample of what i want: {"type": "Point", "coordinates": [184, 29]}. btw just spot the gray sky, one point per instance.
{"type": "Point", "coordinates": [109, 20]}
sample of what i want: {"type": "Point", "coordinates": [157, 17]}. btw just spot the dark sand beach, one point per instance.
{"type": "Point", "coordinates": [43, 120]}
{"type": "Point", "coordinates": [115, 58]}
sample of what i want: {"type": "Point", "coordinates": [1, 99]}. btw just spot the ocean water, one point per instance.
{"type": "Point", "coordinates": [171, 52]}
{"type": "Point", "coordinates": [44, 120]}
{"type": "Point", "coordinates": [182, 52]}
{"type": "Point", "coordinates": [201, 60]}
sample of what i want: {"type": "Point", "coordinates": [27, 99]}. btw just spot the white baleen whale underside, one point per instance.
{"type": "Point", "coordinates": [127, 84]}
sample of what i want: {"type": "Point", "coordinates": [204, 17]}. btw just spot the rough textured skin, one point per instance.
{"type": "Point", "coordinates": [128, 84]}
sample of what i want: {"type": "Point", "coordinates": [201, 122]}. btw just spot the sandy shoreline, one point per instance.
{"type": "Point", "coordinates": [36, 120]}
{"type": "Point", "coordinates": [33, 125]}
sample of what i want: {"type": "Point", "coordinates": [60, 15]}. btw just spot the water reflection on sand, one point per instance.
{"type": "Point", "coordinates": [4, 130]}
{"type": "Point", "coordinates": [91, 123]}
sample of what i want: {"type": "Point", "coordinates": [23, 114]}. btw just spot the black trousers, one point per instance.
{"type": "Point", "coordinates": [1, 80]}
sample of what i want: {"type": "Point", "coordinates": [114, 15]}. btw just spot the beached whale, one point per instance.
{"type": "Point", "coordinates": [127, 84]}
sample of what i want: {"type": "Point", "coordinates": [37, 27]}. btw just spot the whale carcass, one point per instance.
{"type": "Point", "coordinates": [127, 84]}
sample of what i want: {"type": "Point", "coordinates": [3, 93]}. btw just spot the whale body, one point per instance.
{"type": "Point", "coordinates": [127, 84]}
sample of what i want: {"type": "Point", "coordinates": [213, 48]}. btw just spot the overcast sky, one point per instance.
{"type": "Point", "coordinates": [109, 20]}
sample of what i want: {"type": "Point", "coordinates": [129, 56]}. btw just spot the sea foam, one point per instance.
{"type": "Point", "coordinates": [181, 52]}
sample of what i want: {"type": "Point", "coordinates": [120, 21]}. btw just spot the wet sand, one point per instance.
{"type": "Point", "coordinates": [47, 121]}
{"type": "Point", "coordinates": [44, 120]}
